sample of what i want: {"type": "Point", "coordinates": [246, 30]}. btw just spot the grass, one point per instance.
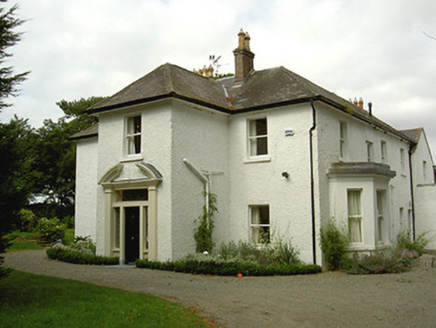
{"type": "Point", "coordinates": [21, 243]}
{"type": "Point", "coordinates": [28, 300]}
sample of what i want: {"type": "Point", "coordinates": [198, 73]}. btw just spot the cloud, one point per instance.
{"type": "Point", "coordinates": [371, 49]}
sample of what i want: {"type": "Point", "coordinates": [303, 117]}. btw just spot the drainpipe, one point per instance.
{"type": "Point", "coordinates": [202, 178]}
{"type": "Point", "coordinates": [412, 192]}
{"type": "Point", "coordinates": [312, 188]}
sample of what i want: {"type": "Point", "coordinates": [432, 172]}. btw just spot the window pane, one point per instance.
{"type": "Point", "coordinates": [262, 146]}
{"type": "Point", "coordinates": [261, 127]}
{"type": "Point", "coordinates": [355, 230]}
{"type": "Point", "coordinates": [136, 194]}
{"type": "Point", "coordinates": [260, 224]}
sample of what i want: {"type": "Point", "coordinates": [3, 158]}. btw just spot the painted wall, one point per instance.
{"type": "Point", "coordinates": [86, 188]}
{"type": "Point", "coordinates": [200, 136]}
{"type": "Point", "coordinates": [261, 182]}
{"type": "Point", "coordinates": [425, 211]}
{"type": "Point", "coordinates": [357, 135]}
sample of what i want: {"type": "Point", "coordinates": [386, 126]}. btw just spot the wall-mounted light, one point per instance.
{"type": "Point", "coordinates": [285, 175]}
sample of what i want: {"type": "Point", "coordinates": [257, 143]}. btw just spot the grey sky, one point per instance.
{"type": "Point", "coordinates": [372, 49]}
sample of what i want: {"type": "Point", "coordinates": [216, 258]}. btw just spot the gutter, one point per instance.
{"type": "Point", "coordinates": [312, 187]}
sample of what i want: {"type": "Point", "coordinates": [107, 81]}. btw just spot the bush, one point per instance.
{"type": "Point", "coordinates": [334, 244]}
{"type": "Point", "coordinates": [78, 256]}
{"type": "Point", "coordinates": [82, 251]}
{"type": "Point", "coordinates": [404, 241]}
{"type": "Point", "coordinates": [212, 265]}
{"type": "Point", "coordinates": [382, 261]}
{"type": "Point", "coordinates": [28, 220]}
{"type": "Point", "coordinates": [52, 229]}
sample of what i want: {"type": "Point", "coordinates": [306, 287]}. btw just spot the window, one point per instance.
{"type": "Point", "coordinates": [260, 224]}
{"type": "Point", "coordinates": [381, 224]}
{"type": "Point", "coordinates": [133, 135]}
{"type": "Point", "coordinates": [424, 169]}
{"type": "Point", "coordinates": [355, 216]}
{"type": "Point", "coordinates": [402, 161]}
{"type": "Point", "coordinates": [369, 151]}
{"type": "Point", "coordinates": [257, 137]}
{"type": "Point", "coordinates": [342, 138]}
{"type": "Point", "coordinates": [384, 152]}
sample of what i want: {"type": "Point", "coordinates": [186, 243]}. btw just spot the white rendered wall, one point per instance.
{"type": "Point", "coordinates": [358, 132]}
{"type": "Point", "coordinates": [425, 213]}
{"type": "Point", "coordinates": [261, 182]}
{"type": "Point", "coordinates": [86, 188]}
{"type": "Point", "coordinates": [201, 136]}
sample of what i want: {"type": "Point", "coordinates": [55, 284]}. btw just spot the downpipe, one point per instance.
{"type": "Point", "coordinates": [312, 187]}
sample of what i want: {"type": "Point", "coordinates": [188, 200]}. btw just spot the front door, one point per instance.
{"type": "Point", "coordinates": [132, 233]}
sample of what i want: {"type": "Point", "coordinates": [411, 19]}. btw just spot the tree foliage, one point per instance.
{"type": "Point", "coordinates": [8, 37]}
{"type": "Point", "coordinates": [56, 165]}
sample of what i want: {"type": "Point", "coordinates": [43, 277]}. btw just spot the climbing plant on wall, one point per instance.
{"type": "Point", "coordinates": [204, 230]}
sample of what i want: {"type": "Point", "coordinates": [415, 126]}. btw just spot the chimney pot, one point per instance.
{"type": "Point", "coordinates": [361, 103]}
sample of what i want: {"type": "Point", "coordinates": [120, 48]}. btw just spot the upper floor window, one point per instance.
{"type": "Point", "coordinates": [133, 135]}
{"type": "Point", "coordinates": [403, 161]}
{"type": "Point", "coordinates": [260, 224]}
{"type": "Point", "coordinates": [370, 151]}
{"type": "Point", "coordinates": [257, 137]}
{"type": "Point", "coordinates": [384, 152]}
{"type": "Point", "coordinates": [342, 138]}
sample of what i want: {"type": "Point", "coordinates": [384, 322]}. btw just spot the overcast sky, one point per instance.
{"type": "Point", "coordinates": [372, 49]}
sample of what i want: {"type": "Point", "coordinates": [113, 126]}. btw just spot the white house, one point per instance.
{"type": "Point", "coordinates": [281, 154]}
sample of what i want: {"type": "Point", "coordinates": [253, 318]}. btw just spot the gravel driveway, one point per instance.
{"type": "Point", "coordinates": [323, 300]}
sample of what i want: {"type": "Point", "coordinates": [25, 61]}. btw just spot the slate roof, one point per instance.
{"type": "Point", "coordinates": [413, 134]}
{"type": "Point", "coordinates": [261, 89]}
{"type": "Point", "coordinates": [89, 132]}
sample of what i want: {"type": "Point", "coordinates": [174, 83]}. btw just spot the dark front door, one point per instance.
{"type": "Point", "coordinates": [132, 233]}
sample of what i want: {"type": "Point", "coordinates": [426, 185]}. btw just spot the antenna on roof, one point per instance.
{"type": "Point", "coordinates": [214, 62]}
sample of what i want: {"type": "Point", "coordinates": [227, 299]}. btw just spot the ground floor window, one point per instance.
{"type": "Point", "coordinates": [355, 215]}
{"type": "Point", "coordinates": [381, 219]}
{"type": "Point", "coordinates": [260, 224]}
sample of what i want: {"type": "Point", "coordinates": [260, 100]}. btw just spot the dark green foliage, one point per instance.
{"type": "Point", "coordinates": [229, 268]}
{"type": "Point", "coordinates": [380, 261]}
{"type": "Point", "coordinates": [8, 37]}
{"type": "Point", "coordinates": [404, 241]}
{"type": "Point", "coordinates": [52, 229]}
{"type": "Point", "coordinates": [334, 243]}
{"type": "Point", "coordinates": [203, 233]}
{"type": "Point", "coordinates": [60, 254]}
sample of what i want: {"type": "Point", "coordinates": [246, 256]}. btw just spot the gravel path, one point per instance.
{"type": "Point", "coordinates": [323, 300]}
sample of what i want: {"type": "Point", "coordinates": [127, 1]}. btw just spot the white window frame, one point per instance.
{"type": "Point", "coordinates": [253, 138]}
{"type": "Point", "coordinates": [342, 139]}
{"type": "Point", "coordinates": [382, 225]}
{"type": "Point", "coordinates": [132, 135]}
{"type": "Point", "coordinates": [384, 151]}
{"type": "Point", "coordinates": [355, 218]}
{"type": "Point", "coordinates": [370, 151]}
{"type": "Point", "coordinates": [403, 161]}
{"type": "Point", "coordinates": [257, 227]}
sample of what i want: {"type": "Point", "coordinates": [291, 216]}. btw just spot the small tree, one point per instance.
{"type": "Point", "coordinates": [334, 243]}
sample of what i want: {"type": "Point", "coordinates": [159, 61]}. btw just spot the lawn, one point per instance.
{"type": "Point", "coordinates": [28, 300]}
{"type": "Point", "coordinates": [21, 242]}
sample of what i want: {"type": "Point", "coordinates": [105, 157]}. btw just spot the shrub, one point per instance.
{"type": "Point", "coordinates": [334, 243]}
{"type": "Point", "coordinates": [78, 256]}
{"type": "Point", "coordinates": [52, 229]}
{"type": "Point", "coordinates": [28, 220]}
{"type": "Point", "coordinates": [214, 265]}
{"type": "Point", "coordinates": [404, 241]}
{"type": "Point", "coordinates": [203, 232]}
{"type": "Point", "coordinates": [382, 261]}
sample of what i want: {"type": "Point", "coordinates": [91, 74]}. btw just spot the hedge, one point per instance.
{"type": "Point", "coordinates": [79, 258]}
{"type": "Point", "coordinates": [231, 268]}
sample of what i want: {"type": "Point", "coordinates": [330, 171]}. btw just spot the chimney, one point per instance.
{"type": "Point", "coordinates": [243, 57]}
